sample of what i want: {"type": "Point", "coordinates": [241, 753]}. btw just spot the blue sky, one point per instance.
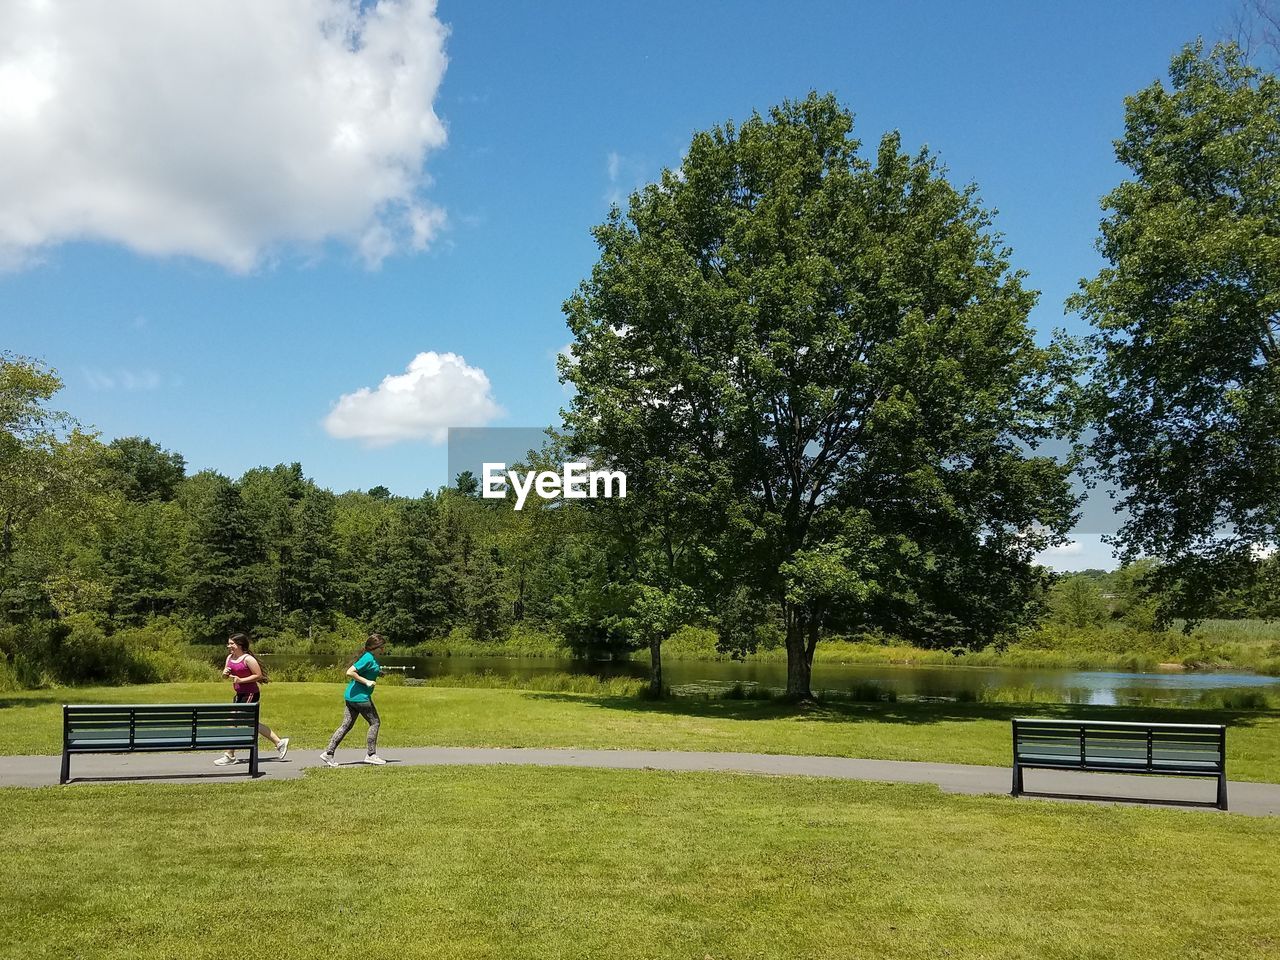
{"type": "Point", "coordinates": [232, 342]}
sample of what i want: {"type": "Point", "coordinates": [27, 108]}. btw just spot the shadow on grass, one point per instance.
{"type": "Point", "coordinates": [7, 702]}
{"type": "Point", "coordinates": [166, 778]}
{"type": "Point", "coordinates": [1114, 798]}
{"type": "Point", "coordinates": [903, 711]}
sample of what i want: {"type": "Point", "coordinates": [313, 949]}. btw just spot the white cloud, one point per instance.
{"type": "Point", "coordinates": [624, 176]}
{"type": "Point", "coordinates": [227, 131]}
{"type": "Point", "coordinates": [436, 391]}
{"type": "Point", "coordinates": [1084, 551]}
{"type": "Point", "coordinates": [122, 379]}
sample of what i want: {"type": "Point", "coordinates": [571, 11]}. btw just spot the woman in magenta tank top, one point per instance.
{"type": "Point", "coordinates": [245, 674]}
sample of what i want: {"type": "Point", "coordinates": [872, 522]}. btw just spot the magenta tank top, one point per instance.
{"type": "Point", "coordinates": [241, 669]}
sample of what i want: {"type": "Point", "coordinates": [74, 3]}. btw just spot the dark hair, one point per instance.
{"type": "Point", "coordinates": [372, 642]}
{"type": "Point", "coordinates": [242, 641]}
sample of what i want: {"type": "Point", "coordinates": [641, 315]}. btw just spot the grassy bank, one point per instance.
{"type": "Point", "coordinates": [1214, 645]}
{"type": "Point", "coordinates": [30, 722]}
{"type": "Point", "coordinates": [522, 862]}
{"type": "Point", "coordinates": [82, 650]}
{"type": "Point", "coordinates": [1252, 645]}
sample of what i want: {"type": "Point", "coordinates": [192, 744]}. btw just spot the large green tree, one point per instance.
{"type": "Point", "coordinates": [834, 352]}
{"type": "Point", "coordinates": [271, 497]}
{"type": "Point", "coordinates": [142, 470]}
{"type": "Point", "coordinates": [225, 555]}
{"type": "Point", "coordinates": [1186, 395]}
{"type": "Point", "coordinates": [51, 483]}
{"type": "Point", "coordinates": [309, 572]}
{"type": "Point", "coordinates": [142, 560]}
{"type": "Point", "coordinates": [407, 598]}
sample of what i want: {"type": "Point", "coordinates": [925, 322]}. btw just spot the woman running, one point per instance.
{"type": "Point", "coordinates": [358, 700]}
{"type": "Point", "coordinates": [245, 674]}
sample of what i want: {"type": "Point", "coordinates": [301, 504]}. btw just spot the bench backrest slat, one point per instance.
{"type": "Point", "coordinates": [1149, 747]}
{"type": "Point", "coordinates": [166, 726]}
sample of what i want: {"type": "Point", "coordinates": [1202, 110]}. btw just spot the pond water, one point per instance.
{"type": "Point", "coordinates": [907, 682]}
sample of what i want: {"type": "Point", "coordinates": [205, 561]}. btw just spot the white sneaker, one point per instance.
{"type": "Point", "coordinates": [223, 760]}
{"type": "Point", "coordinates": [376, 760]}
{"type": "Point", "coordinates": [282, 747]}
{"type": "Point", "coordinates": [327, 759]}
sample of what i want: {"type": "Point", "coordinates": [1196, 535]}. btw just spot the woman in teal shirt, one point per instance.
{"type": "Point", "coordinates": [358, 701]}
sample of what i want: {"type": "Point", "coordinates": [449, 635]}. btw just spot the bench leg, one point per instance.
{"type": "Point", "coordinates": [1017, 780]}
{"type": "Point", "coordinates": [253, 761]}
{"type": "Point", "coordinates": [65, 775]}
{"type": "Point", "coordinates": [1222, 792]}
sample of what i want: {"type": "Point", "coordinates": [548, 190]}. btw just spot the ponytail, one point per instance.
{"type": "Point", "coordinates": [373, 642]}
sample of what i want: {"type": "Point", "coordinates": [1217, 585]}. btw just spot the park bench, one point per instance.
{"type": "Point", "coordinates": [152, 727]}
{"type": "Point", "coordinates": [1166, 749]}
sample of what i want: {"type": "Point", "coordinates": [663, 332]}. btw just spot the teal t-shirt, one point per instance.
{"type": "Point", "coordinates": [368, 668]}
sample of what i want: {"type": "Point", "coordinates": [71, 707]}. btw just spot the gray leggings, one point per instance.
{"type": "Point", "coordinates": [370, 714]}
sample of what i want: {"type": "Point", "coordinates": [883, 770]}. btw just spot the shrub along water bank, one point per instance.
{"type": "Point", "coordinates": [1213, 645]}
{"type": "Point", "coordinates": [81, 648]}
{"type": "Point", "coordinates": [1252, 645]}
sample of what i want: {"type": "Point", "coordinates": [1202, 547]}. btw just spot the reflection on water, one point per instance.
{"type": "Point", "coordinates": [907, 682]}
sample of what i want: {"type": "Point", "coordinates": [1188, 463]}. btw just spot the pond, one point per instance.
{"type": "Point", "coordinates": [905, 681]}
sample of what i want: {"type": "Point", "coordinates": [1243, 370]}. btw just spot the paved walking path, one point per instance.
{"type": "Point", "coordinates": [1256, 799]}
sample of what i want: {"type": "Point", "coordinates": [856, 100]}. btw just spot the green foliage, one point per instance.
{"type": "Point", "coordinates": [546, 682]}
{"type": "Point", "coordinates": [693, 643]}
{"type": "Point", "coordinates": [51, 483]}
{"type": "Point", "coordinates": [486, 606]}
{"type": "Point", "coordinates": [747, 691]}
{"type": "Point", "coordinates": [466, 484]}
{"type": "Point", "coordinates": [519, 640]}
{"type": "Point", "coordinates": [342, 637]}
{"type": "Point", "coordinates": [270, 499]}
{"type": "Point", "coordinates": [309, 569]}
{"type": "Point", "coordinates": [142, 561]}
{"type": "Point", "coordinates": [405, 578]}
{"type": "Point", "coordinates": [143, 471]}
{"type": "Point", "coordinates": [80, 649]}
{"type": "Point", "coordinates": [84, 654]}
{"type": "Point", "coordinates": [818, 370]}
{"type": "Point", "coordinates": [814, 363]}
{"type": "Point", "coordinates": [1077, 602]}
{"type": "Point", "coordinates": [225, 557]}
{"type": "Point", "coordinates": [591, 610]}
{"type": "Point", "coordinates": [747, 623]}
{"type": "Point", "coordinates": [1186, 396]}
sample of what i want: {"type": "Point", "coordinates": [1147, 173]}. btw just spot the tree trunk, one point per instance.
{"type": "Point", "coordinates": [517, 608]}
{"type": "Point", "coordinates": [799, 658]}
{"type": "Point", "coordinates": [655, 665]}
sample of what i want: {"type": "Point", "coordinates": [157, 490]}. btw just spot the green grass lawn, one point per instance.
{"type": "Point", "coordinates": [524, 862]}
{"type": "Point", "coordinates": [30, 722]}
